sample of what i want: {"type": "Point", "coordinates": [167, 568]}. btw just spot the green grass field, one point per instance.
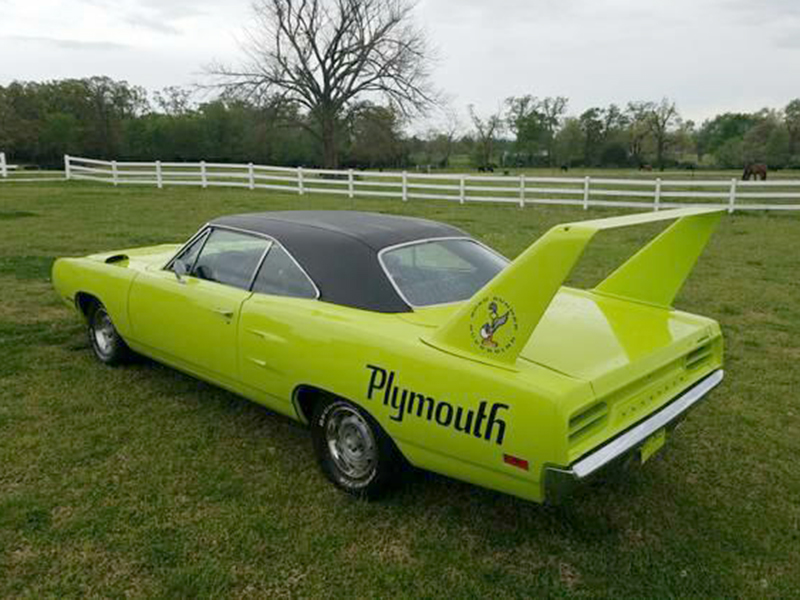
{"type": "Point", "coordinates": [139, 481]}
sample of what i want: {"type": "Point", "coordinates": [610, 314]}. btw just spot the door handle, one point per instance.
{"type": "Point", "coordinates": [228, 314]}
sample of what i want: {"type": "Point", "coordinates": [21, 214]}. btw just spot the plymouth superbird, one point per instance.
{"type": "Point", "coordinates": [406, 341]}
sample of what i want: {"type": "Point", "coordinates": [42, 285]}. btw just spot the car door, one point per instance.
{"type": "Point", "coordinates": [191, 320]}
{"type": "Point", "coordinates": [275, 327]}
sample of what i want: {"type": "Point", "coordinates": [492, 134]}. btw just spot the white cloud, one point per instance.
{"type": "Point", "coordinates": [709, 56]}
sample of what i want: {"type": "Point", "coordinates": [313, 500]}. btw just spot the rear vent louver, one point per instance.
{"type": "Point", "coordinates": [586, 421]}
{"type": "Point", "coordinates": [698, 357]}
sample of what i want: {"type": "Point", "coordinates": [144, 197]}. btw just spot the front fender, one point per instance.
{"type": "Point", "coordinates": [109, 283]}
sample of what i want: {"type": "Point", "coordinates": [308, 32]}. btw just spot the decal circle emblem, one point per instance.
{"type": "Point", "coordinates": [493, 325]}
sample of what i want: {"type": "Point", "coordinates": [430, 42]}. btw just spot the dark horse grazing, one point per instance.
{"type": "Point", "coordinates": [646, 168]}
{"type": "Point", "coordinates": [756, 171]}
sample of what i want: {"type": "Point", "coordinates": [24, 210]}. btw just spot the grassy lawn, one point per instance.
{"type": "Point", "coordinates": [139, 481]}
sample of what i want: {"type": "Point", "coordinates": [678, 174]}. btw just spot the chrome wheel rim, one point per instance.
{"type": "Point", "coordinates": [351, 443]}
{"type": "Point", "coordinates": [103, 332]}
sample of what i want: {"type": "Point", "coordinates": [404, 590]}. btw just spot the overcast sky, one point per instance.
{"type": "Point", "coordinates": [708, 55]}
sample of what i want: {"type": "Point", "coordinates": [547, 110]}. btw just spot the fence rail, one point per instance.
{"type": "Point", "coordinates": [653, 193]}
{"type": "Point", "coordinates": [10, 172]}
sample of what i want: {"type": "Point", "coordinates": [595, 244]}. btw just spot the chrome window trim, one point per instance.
{"type": "Point", "coordinates": [259, 264]}
{"type": "Point", "coordinates": [200, 232]}
{"type": "Point", "coordinates": [269, 238]}
{"type": "Point", "coordinates": [638, 434]}
{"type": "Point", "coordinates": [400, 293]}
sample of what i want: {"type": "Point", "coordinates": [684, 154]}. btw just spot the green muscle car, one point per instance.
{"type": "Point", "coordinates": [405, 341]}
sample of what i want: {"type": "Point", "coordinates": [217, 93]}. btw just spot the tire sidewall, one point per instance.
{"type": "Point", "coordinates": [117, 351]}
{"type": "Point", "coordinates": [383, 474]}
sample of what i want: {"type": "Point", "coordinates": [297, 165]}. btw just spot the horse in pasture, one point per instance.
{"type": "Point", "coordinates": [647, 168]}
{"type": "Point", "coordinates": [564, 168]}
{"type": "Point", "coordinates": [756, 171]}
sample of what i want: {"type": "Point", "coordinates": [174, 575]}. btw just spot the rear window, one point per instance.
{"type": "Point", "coordinates": [441, 271]}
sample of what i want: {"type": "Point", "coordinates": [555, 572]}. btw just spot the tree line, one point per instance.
{"type": "Point", "coordinates": [100, 117]}
{"type": "Point", "coordinates": [97, 116]}
{"type": "Point", "coordinates": [642, 133]}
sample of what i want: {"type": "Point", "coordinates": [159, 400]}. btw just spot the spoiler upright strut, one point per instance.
{"type": "Point", "coordinates": [497, 322]}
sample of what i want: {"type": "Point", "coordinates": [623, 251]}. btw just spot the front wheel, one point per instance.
{"type": "Point", "coordinates": [352, 449]}
{"type": "Point", "coordinates": [108, 345]}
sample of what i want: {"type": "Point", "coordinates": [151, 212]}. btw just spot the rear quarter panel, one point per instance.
{"type": "Point", "coordinates": [379, 362]}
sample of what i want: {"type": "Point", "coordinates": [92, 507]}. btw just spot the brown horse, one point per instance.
{"type": "Point", "coordinates": [755, 170]}
{"type": "Point", "coordinates": [647, 168]}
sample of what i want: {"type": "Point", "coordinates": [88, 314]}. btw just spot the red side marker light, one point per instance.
{"type": "Point", "coordinates": [514, 461]}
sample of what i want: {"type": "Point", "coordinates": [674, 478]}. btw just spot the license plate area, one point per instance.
{"type": "Point", "coordinates": [652, 445]}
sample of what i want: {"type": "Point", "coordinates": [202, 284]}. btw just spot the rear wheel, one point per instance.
{"type": "Point", "coordinates": [107, 344]}
{"type": "Point", "coordinates": [352, 449]}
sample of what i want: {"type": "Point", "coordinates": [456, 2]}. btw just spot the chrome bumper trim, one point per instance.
{"type": "Point", "coordinates": [559, 480]}
{"type": "Point", "coordinates": [633, 437]}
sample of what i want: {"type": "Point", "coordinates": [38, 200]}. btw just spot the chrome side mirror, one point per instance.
{"type": "Point", "coordinates": [179, 268]}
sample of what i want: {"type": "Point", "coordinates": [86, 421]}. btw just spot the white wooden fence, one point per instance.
{"type": "Point", "coordinates": [10, 173]}
{"type": "Point", "coordinates": [655, 193]}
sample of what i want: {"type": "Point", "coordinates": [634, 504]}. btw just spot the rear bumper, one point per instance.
{"type": "Point", "coordinates": [559, 482]}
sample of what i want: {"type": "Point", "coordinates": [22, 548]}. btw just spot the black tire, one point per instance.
{"type": "Point", "coordinates": [345, 436]}
{"type": "Point", "coordinates": [107, 344]}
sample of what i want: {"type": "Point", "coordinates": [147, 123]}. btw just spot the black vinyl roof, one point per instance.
{"type": "Point", "coordinates": [339, 249]}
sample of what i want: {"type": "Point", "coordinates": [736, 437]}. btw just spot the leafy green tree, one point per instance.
{"type": "Point", "coordinates": [792, 120]}
{"type": "Point", "coordinates": [375, 137]}
{"type": "Point", "coordinates": [592, 128]}
{"type": "Point", "coordinates": [535, 123]}
{"type": "Point", "coordinates": [570, 144]}
{"type": "Point", "coordinates": [721, 130]}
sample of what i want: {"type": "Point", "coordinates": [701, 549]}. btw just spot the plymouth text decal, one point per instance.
{"type": "Point", "coordinates": [483, 422]}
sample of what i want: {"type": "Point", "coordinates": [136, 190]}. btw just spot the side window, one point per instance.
{"type": "Point", "coordinates": [190, 253]}
{"type": "Point", "coordinates": [230, 258]}
{"type": "Point", "coordinates": [280, 276]}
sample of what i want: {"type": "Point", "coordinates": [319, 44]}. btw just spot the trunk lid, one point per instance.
{"type": "Point", "coordinates": [608, 341]}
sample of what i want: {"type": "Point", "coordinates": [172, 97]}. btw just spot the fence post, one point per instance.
{"type": "Point", "coordinates": [203, 175]}
{"type": "Point", "coordinates": [300, 188]}
{"type": "Point", "coordinates": [657, 196]}
{"type": "Point", "coordinates": [251, 176]}
{"type": "Point", "coordinates": [405, 186]}
{"type": "Point", "coordinates": [159, 177]}
{"type": "Point", "coordinates": [3, 165]}
{"type": "Point", "coordinates": [522, 190]}
{"type": "Point", "coordinates": [350, 191]}
{"type": "Point", "coordinates": [114, 172]}
{"type": "Point", "coordinates": [732, 197]}
{"type": "Point", "coordinates": [67, 172]}
{"type": "Point", "coordinates": [462, 190]}
{"type": "Point", "coordinates": [586, 181]}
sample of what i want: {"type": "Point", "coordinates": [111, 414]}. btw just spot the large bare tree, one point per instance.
{"type": "Point", "coordinates": [326, 55]}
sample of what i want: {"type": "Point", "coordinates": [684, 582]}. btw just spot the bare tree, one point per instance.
{"type": "Point", "coordinates": [552, 109]}
{"type": "Point", "coordinates": [487, 130]}
{"type": "Point", "coordinates": [660, 118]}
{"type": "Point", "coordinates": [637, 114]}
{"type": "Point", "coordinates": [441, 138]}
{"type": "Point", "coordinates": [325, 55]}
{"type": "Point", "coordinates": [173, 100]}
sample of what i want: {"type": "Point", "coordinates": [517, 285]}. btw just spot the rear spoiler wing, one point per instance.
{"type": "Point", "coordinates": [497, 322]}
